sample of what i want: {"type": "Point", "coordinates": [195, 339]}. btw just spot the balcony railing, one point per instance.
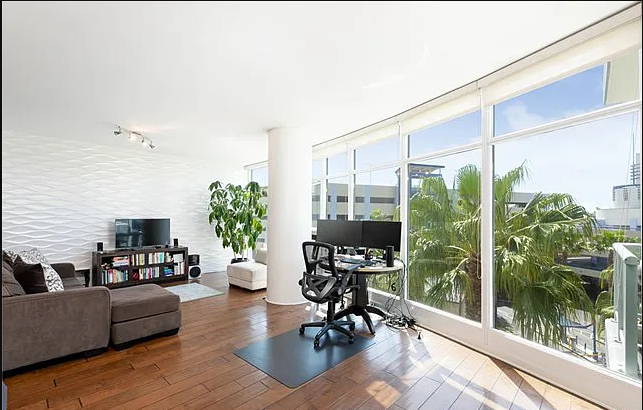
{"type": "Point", "coordinates": [623, 354]}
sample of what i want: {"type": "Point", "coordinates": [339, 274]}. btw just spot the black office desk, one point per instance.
{"type": "Point", "coordinates": [360, 304]}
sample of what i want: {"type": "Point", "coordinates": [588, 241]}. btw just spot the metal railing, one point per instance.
{"type": "Point", "coordinates": [627, 258]}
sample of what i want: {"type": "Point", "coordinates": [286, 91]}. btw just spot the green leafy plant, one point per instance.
{"type": "Point", "coordinates": [236, 213]}
{"type": "Point", "coordinates": [531, 244]}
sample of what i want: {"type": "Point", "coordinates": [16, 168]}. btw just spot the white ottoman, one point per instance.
{"type": "Point", "coordinates": [250, 275]}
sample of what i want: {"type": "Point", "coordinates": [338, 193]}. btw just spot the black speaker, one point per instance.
{"type": "Point", "coordinates": [194, 270]}
{"type": "Point", "coordinates": [390, 255]}
{"type": "Point", "coordinates": [99, 246]}
{"type": "Point", "coordinates": [193, 260]}
{"type": "Point", "coordinates": [176, 241]}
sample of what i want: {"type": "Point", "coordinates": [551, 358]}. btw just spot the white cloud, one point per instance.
{"type": "Point", "coordinates": [519, 118]}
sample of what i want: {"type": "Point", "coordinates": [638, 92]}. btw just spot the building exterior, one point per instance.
{"type": "Point", "coordinates": [625, 213]}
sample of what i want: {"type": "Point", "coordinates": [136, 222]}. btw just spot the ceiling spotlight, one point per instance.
{"type": "Point", "coordinates": [145, 142]}
{"type": "Point", "coordinates": [118, 131]}
{"type": "Point", "coordinates": [133, 135]}
{"type": "Point", "coordinates": [152, 146]}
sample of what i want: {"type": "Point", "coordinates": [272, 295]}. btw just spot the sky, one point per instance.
{"type": "Point", "coordinates": [585, 161]}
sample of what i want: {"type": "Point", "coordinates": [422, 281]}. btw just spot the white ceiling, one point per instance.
{"type": "Point", "coordinates": [211, 77]}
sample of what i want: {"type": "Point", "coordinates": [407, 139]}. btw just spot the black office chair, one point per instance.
{"type": "Point", "coordinates": [322, 283]}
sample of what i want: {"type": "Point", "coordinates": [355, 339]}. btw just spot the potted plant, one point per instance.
{"type": "Point", "coordinates": [236, 213]}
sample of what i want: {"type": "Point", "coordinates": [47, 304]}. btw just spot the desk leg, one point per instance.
{"type": "Point", "coordinates": [376, 310]}
{"type": "Point", "coordinates": [360, 306]}
{"type": "Point", "coordinates": [351, 310]}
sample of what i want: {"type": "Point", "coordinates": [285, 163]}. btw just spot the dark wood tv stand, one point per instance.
{"type": "Point", "coordinates": [128, 267]}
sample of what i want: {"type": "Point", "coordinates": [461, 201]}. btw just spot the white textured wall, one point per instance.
{"type": "Point", "coordinates": [62, 196]}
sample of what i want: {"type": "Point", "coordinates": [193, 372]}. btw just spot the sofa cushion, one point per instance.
{"type": "Point", "coordinates": [248, 271]}
{"type": "Point", "coordinates": [261, 256]}
{"type": "Point", "coordinates": [142, 301]}
{"type": "Point", "coordinates": [52, 279]}
{"type": "Point", "coordinates": [31, 276]}
{"type": "Point", "coordinates": [72, 283]}
{"type": "Point", "coordinates": [10, 286]}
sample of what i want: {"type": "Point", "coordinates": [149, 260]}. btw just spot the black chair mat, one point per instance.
{"type": "Point", "coordinates": [291, 358]}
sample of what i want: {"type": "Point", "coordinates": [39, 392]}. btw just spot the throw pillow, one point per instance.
{"type": "Point", "coordinates": [10, 286]}
{"type": "Point", "coordinates": [53, 281]}
{"type": "Point", "coordinates": [31, 276]}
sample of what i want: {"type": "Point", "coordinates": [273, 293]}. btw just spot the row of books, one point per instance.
{"type": "Point", "coordinates": [159, 257]}
{"type": "Point", "coordinates": [147, 273]}
{"type": "Point", "coordinates": [120, 261]}
{"type": "Point", "coordinates": [110, 276]}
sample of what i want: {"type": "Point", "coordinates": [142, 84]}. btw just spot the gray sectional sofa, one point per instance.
{"type": "Point", "coordinates": [45, 326]}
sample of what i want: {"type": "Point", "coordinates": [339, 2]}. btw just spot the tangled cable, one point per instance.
{"type": "Point", "coordinates": [397, 318]}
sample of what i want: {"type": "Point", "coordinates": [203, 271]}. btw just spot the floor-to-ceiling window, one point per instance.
{"type": "Point", "coordinates": [562, 199]}
{"type": "Point", "coordinates": [444, 194]}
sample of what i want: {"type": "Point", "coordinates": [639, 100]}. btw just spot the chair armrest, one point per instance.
{"type": "Point", "coordinates": [65, 269]}
{"type": "Point", "coordinates": [45, 326]}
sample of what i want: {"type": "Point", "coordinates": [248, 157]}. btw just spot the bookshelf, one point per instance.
{"type": "Point", "coordinates": [128, 267]}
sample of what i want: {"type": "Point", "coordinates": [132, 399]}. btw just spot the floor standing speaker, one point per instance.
{"type": "Point", "coordinates": [194, 270]}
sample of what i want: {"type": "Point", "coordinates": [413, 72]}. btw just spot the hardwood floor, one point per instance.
{"type": "Point", "coordinates": [197, 369]}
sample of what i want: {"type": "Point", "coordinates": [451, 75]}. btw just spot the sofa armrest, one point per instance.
{"type": "Point", "coordinates": [65, 269]}
{"type": "Point", "coordinates": [46, 326]}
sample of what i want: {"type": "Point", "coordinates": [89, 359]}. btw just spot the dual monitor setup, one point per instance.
{"type": "Point", "coordinates": [383, 235]}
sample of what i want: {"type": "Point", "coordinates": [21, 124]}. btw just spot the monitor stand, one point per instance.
{"type": "Point", "coordinates": [367, 255]}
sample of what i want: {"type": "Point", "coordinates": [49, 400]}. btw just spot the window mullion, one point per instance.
{"type": "Point", "coordinates": [487, 236]}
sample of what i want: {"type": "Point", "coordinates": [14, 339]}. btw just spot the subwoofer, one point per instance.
{"type": "Point", "coordinates": [194, 270]}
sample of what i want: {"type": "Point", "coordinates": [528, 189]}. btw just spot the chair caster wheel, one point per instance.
{"type": "Point", "coordinates": [316, 343]}
{"type": "Point", "coordinates": [351, 341]}
{"type": "Point", "coordinates": [351, 327]}
{"type": "Point", "coordinates": [301, 330]}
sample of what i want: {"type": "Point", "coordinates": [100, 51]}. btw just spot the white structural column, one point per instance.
{"type": "Point", "coordinates": [289, 212]}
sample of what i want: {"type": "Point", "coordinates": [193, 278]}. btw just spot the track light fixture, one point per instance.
{"type": "Point", "coordinates": [134, 136]}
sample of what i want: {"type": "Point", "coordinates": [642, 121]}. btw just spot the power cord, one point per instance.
{"type": "Point", "coordinates": [396, 317]}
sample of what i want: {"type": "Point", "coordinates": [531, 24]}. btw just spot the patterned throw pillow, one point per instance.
{"type": "Point", "coordinates": [52, 279]}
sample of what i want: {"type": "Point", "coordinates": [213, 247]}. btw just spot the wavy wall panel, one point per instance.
{"type": "Point", "coordinates": [63, 196]}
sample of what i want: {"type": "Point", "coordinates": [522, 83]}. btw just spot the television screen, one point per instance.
{"type": "Point", "coordinates": [137, 233]}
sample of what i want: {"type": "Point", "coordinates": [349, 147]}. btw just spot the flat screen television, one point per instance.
{"type": "Point", "coordinates": [138, 233]}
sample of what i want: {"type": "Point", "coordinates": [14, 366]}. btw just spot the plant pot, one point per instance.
{"type": "Point", "coordinates": [238, 260]}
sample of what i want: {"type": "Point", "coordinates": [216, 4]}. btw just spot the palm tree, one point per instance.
{"type": "Point", "coordinates": [531, 244]}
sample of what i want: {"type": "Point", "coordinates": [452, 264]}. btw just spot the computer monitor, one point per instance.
{"type": "Point", "coordinates": [339, 233]}
{"type": "Point", "coordinates": [380, 234]}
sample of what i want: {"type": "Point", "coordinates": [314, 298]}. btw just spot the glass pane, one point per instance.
{"type": "Point", "coordinates": [458, 131]}
{"type": "Point", "coordinates": [337, 164]}
{"type": "Point", "coordinates": [317, 169]}
{"type": "Point", "coordinates": [444, 234]}
{"type": "Point", "coordinates": [562, 200]}
{"type": "Point", "coordinates": [260, 176]}
{"type": "Point", "coordinates": [316, 203]}
{"type": "Point", "coordinates": [380, 152]}
{"type": "Point", "coordinates": [337, 201]}
{"type": "Point", "coordinates": [601, 86]}
{"type": "Point", "coordinates": [377, 195]}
